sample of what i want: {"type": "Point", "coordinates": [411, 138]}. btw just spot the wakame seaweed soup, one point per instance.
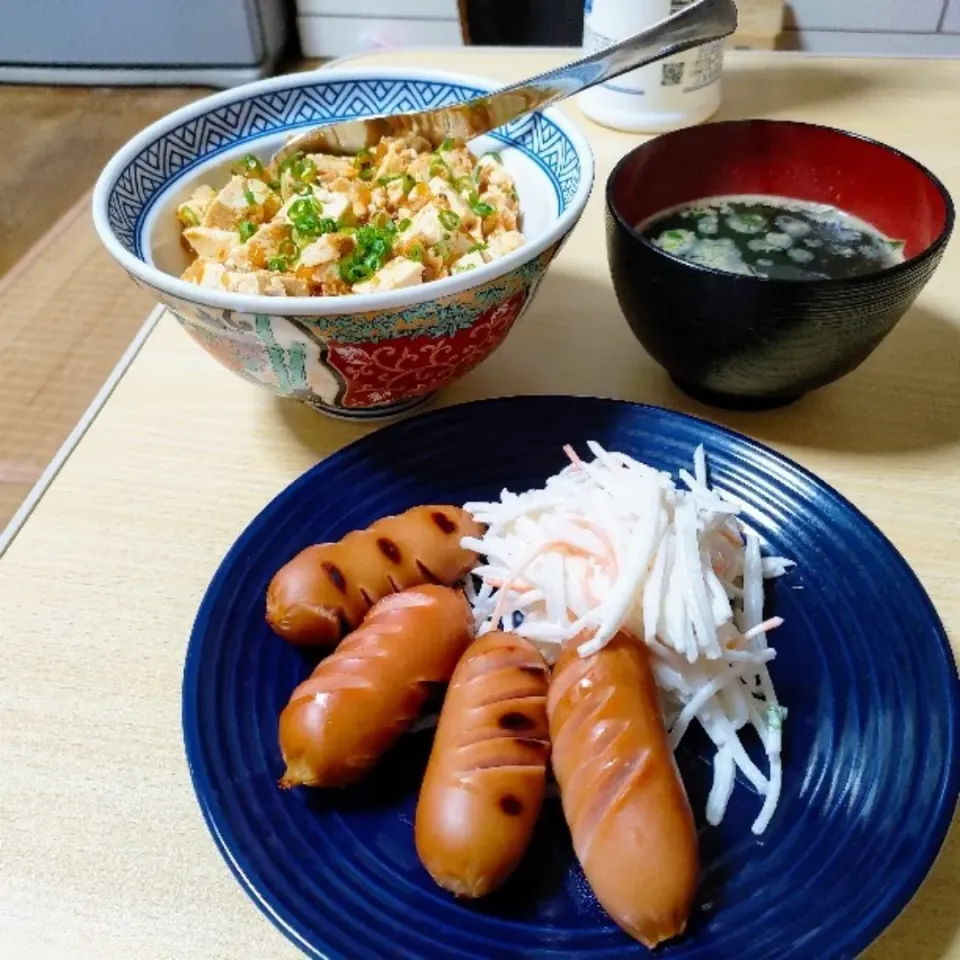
{"type": "Point", "coordinates": [774, 237]}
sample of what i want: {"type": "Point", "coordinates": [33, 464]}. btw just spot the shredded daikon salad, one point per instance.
{"type": "Point", "coordinates": [612, 544]}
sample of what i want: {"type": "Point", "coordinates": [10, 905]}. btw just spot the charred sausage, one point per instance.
{"type": "Point", "coordinates": [486, 776]}
{"type": "Point", "coordinates": [628, 813]}
{"type": "Point", "coordinates": [358, 700]}
{"type": "Point", "coordinates": [325, 591]}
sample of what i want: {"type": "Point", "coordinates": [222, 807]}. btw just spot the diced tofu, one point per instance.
{"type": "Point", "coordinates": [458, 160]}
{"type": "Point", "coordinates": [425, 228]}
{"type": "Point", "coordinates": [500, 244]}
{"type": "Point", "coordinates": [332, 204]}
{"type": "Point", "coordinates": [325, 249]}
{"type": "Point", "coordinates": [265, 243]}
{"type": "Point", "coordinates": [469, 261]}
{"type": "Point", "coordinates": [191, 212]}
{"type": "Point", "coordinates": [398, 273]}
{"type": "Point", "coordinates": [232, 204]}
{"type": "Point", "coordinates": [329, 166]}
{"type": "Point", "coordinates": [239, 258]}
{"type": "Point", "coordinates": [394, 160]}
{"type": "Point", "coordinates": [265, 283]}
{"type": "Point", "coordinates": [419, 169]}
{"type": "Point", "coordinates": [210, 243]}
{"type": "Point", "coordinates": [212, 276]}
{"type": "Point", "coordinates": [440, 188]}
{"type": "Point", "coordinates": [492, 172]}
{"type": "Point", "coordinates": [395, 191]}
{"type": "Point", "coordinates": [294, 286]}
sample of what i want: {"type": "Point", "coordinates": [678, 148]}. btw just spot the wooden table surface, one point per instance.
{"type": "Point", "coordinates": [103, 852]}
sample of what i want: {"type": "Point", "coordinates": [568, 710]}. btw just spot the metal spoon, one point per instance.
{"type": "Point", "coordinates": [692, 26]}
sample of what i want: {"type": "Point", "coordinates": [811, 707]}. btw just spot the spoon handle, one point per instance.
{"type": "Point", "coordinates": [695, 24]}
{"type": "Point", "coordinates": [692, 26]}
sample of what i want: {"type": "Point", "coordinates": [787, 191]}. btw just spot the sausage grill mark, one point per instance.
{"type": "Point", "coordinates": [443, 522]}
{"type": "Point", "coordinates": [367, 599]}
{"type": "Point", "coordinates": [427, 573]}
{"type": "Point", "coordinates": [532, 669]}
{"type": "Point", "coordinates": [389, 549]}
{"type": "Point", "coordinates": [335, 576]}
{"type": "Point", "coordinates": [511, 805]}
{"type": "Point", "coordinates": [516, 721]}
{"type": "Point", "coordinates": [345, 625]}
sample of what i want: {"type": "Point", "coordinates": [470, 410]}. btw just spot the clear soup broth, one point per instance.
{"type": "Point", "coordinates": [776, 237]}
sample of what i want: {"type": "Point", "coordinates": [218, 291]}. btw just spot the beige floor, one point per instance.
{"type": "Point", "coordinates": [56, 347]}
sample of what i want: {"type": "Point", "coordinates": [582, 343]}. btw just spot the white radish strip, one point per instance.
{"type": "Point", "coordinates": [702, 697]}
{"type": "Point", "coordinates": [628, 584]}
{"type": "Point", "coordinates": [653, 593]}
{"type": "Point", "coordinates": [724, 778]}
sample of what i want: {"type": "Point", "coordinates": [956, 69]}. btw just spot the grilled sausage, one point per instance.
{"type": "Point", "coordinates": [628, 814]}
{"type": "Point", "coordinates": [485, 780]}
{"type": "Point", "coordinates": [358, 700]}
{"type": "Point", "coordinates": [325, 591]}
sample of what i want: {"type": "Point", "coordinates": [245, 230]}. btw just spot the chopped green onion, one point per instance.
{"type": "Point", "coordinates": [463, 267]}
{"type": "Point", "coordinates": [188, 217]}
{"type": "Point", "coordinates": [404, 224]}
{"type": "Point", "coordinates": [288, 250]}
{"type": "Point", "coordinates": [477, 247]}
{"type": "Point", "coordinates": [288, 162]}
{"type": "Point", "coordinates": [463, 183]}
{"type": "Point", "coordinates": [328, 225]}
{"type": "Point", "coordinates": [384, 181]}
{"type": "Point", "coordinates": [279, 264]}
{"type": "Point", "coordinates": [354, 271]}
{"type": "Point", "coordinates": [448, 144]}
{"type": "Point", "coordinates": [449, 219]}
{"type": "Point", "coordinates": [248, 165]}
{"type": "Point", "coordinates": [249, 197]}
{"type": "Point", "coordinates": [246, 229]}
{"type": "Point", "coordinates": [304, 169]}
{"type": "Point", "coordinates": [495, 154]}
{"type": "Point", "coordinates": [363, 162]}
{"type": "Point", "coordinates": [438, 168]}
{"type": "Point", "coordinates": [479, 207]}
{"type": "Point", "coordinates": [408, 183]}
{"type": "Point", "coordinates": [415, 252]}
{"type": "Point", "coordinates": [304, 207]}
{"type": "Point", "coordinates": [273, 184]}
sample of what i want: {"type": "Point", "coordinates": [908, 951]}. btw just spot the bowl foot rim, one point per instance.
{"type": "Point", "coordinates": [737, 401]}
{"type": "Point", "coordinates": [385, 412]}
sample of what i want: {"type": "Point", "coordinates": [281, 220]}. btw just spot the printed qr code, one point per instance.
{"type": "Point", "coordinates": [672, 74]}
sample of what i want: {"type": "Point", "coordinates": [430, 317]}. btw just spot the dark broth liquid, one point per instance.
{"type": "Point", "coordinates": [774, 237]}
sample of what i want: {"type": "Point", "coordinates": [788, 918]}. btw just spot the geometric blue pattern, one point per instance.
{"type": "Point", "coordinates": [249, 118]}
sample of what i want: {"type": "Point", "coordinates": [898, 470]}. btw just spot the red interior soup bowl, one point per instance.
{"type": "Point", "coordinates": [750, 340]}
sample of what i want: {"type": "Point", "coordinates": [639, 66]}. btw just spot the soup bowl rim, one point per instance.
{"type": "Point", "coordinates": [871, 276]}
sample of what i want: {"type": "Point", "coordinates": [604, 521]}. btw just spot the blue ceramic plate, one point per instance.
{"type": "Point", "coordinates": [864, 667]}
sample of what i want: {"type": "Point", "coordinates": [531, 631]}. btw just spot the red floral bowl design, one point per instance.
{"type": "Point", "coordinates": [366, 365]}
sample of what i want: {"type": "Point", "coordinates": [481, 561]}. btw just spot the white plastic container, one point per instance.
{"type": "Point", "coordinates": [672, 93]}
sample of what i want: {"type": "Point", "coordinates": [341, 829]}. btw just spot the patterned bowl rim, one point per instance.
{"type": "Point", "coordinates": [321, 306]}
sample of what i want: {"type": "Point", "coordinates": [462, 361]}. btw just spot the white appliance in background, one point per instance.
{"type": "Point", "coordinates": [335, 28]}
{"type": "Point", "coordinates": [98, 42]}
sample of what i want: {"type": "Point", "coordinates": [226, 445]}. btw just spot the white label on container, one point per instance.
{"type": "Point", "coordinates": [705, 68]}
